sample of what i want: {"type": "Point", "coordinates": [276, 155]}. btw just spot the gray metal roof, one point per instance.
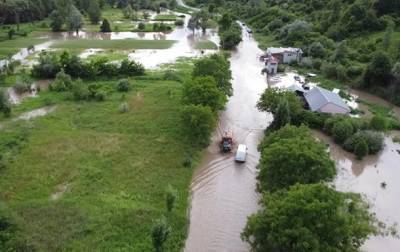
{"type": "Point", "coordinates": [319, 97]}
{"type": "Point", "coordinates": [273, 50]}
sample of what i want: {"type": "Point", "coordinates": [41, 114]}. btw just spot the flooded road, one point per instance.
{"type": "Point", "coordinates": [223, 192]}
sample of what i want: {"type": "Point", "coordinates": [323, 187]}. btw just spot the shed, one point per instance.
{"type": "Point", "coordinates": [285, 54]}
{"type": "Point", "coordinates": [325, 101]}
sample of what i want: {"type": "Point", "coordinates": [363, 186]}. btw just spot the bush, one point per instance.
{"type": "Point", "coordinates": [170, 197]}
{"type": "Point", "coordinates": [160, 233]}
{"type": "Point", "coordinates": [123, 85]}
{"type": "Point", "coordinates": [5, 105]}
{"type": "Point", "coordinates": [141, 26]}
{"type": "Point", "coordinates": [80, 91]}
{"type": "Point", "coordinates": [231, 37]}
{"type": "Point", "coordinates": [373, 139]}
{"type": "Point", "coordinates": [179, 22]}
{"type": "Point", "coordinates": [48, 66]}
{"type": "Point", "coordinates": [342, 130]}
{"type": "Point", "coordinates": [63, 82]}
{"type": "Point", "coordinates": [360, 149]}
{"type": "Point", "coordinates": [378, 123]}
{"type": "Point", "coordinates": [131, 68]}
{"type": "Point", "coordinates": [171, 75]}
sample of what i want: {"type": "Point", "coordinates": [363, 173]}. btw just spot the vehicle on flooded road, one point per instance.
{"type": "Point", "coordinates": [226, 143]}
{"type": "Point", "coordinates": [241, 153]}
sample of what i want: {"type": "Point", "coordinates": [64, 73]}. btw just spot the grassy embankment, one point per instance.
{"type": "Point", "coordinates": [90, 177]}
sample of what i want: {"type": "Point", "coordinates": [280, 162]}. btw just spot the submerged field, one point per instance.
{"type": "Point", "coordinates": [88, 176]}
{"type": "Point", "coordinates": [123, 44]}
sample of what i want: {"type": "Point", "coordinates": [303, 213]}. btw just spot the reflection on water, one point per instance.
{"type": "Point", "coordinates": [223, 192]}
{"type": "Point", "coordinates": [366, 177]}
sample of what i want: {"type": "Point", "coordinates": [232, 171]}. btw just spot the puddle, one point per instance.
{"type": "Point", "coordinates": [375, 177]}
{"type": "Point", "coordinates": [16, 98]}
{"type": "Point", "coordinates": [35, 113]}
{"type": "Point", "coordinates": [89, 52]}
{"type": "Point", "coordinates": [223, 192]}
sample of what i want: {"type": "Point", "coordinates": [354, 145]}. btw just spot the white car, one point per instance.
{"type": "Point", "coordinates": [241, 153]}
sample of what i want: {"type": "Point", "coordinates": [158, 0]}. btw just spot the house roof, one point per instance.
{"type": "Point", "coordinates": [295, 88]}
{"type": "Point", "coordinates": [274, 50]}
{"type": "Point", "coordinates": [319, 97]}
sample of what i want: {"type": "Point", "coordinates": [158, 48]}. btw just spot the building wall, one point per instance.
{"type": "Point", "coordinates": [331, 108]}
{"type": "Point", "coordinates": [289, 57]}
{"type": "Point", "coordinates": [272, 68]}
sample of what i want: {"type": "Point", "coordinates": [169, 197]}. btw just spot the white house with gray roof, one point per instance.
{"type": "Point", "coordinates": [325, 101]}
{"type": "Point", "coordinates": [285, 55]}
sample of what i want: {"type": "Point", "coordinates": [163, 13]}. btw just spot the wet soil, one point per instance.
{"type": "Point", "coordinates": [223, 192]}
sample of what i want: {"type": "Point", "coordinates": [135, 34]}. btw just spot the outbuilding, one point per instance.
{"type": "Point", "coordinates": [271, 64]}
{"type": "Point", "coordinates": [285, 55]}
{"type": "Point", "coordinates": [324, 101]}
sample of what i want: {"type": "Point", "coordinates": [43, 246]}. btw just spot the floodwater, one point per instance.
{"type": "Point", "coordinates": [16, 98]}
{"type": "Point", "coordinates": [35, 113]}
{"type": "Point", "coordinates": [184, 47]}
{"type": "Point", "coordinates": [376, 178]}
{"type": "Point", "coordinates": [223, 192]}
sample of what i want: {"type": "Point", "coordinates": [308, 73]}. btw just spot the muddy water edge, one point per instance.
{"type": "Point", "coordinates": [223, 192]}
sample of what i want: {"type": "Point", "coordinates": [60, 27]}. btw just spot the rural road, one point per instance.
{"type": "Point", "coordinates": [223, 192]}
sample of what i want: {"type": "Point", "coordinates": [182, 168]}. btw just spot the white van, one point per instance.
{"type": "Point", "coordinates": [241, 153]}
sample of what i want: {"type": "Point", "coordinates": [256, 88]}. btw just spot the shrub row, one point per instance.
{"type": "Point", "coordinates": [51, 63]}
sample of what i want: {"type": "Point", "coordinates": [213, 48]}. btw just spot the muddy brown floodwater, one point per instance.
{"type": "Point", "coordinates": [376, 178]}
{"type": "Point", "coordinates": [223, 192]}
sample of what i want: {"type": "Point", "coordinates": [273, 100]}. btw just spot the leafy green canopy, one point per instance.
{"type": "Point", "coordinates": [291, 155]}
{"type": "Point", "coordinates": [309, 218]}
{"type": "Point", "coordinates": [217, 66]}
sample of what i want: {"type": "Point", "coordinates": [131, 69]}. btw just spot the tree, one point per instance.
{"type": "Point", "coordinates": [309, 218]}
{"type": "Point", "coordinates": [294, 160]}
{"type": "Point", "coordinates": [204, 91]}
{"type": "Point", "coordinates": [226, 21]}
{"type": "Point", "coordinates": [231, 38]}
{"type": "Point", "coordinates": [218, 67]}
{"type": "Point", "coordinates": [316, 50]}
{"type": "Point", "coordinates": [11, 33]}
{"type": "Point", "coordinates": [141, 26]}
{"type": "Point", "coordinates": [203, 18]}
{"type": "Point", "coordinates": [170, 197]}
{"type": "Point", "coordinates": [194, 23]}
{"type": "Point", "coordinates": [282, 116]}
{"type": "Point", "coordinates": [271, 98]}
{"type": "Point", "coordinates": [105, 26]}
{"type": "Point", "coordinates": [74, 20]}
{"type": "Point", "coordinates": [198, 122]}
{"type": "Point", "coordinates": [56, 21]}
{"type": "Point", "coordinates": [396, 70]}
{"type": "Point", "coordinates": [94, 12]}
{"type": "Point", "coordinates": [160, 233]}
{"type": "Point", "coordinates": [378, 71]}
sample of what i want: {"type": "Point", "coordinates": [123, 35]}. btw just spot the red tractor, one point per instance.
{"type": "Point", "coordinates": [227, 142]}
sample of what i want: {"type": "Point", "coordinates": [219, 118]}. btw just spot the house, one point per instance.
{"type": "Point", "coordinates": [285, 55]}
{"type": "Point", "coordinates": [324, 101]}
{"type": "Point", "coordinates": [271, 64]}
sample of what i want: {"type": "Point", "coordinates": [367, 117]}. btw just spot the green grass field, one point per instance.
{"type": "Point", "coordinates": [165, 17]}
{"type": "Point", "coordinates": [206, 45]}
{"type": "Point", "coordinates": [90, 178]}
{"type": "Point", "coordinates": [123, 44]}
{"type": "Point", "coordinates": [10, 47]}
